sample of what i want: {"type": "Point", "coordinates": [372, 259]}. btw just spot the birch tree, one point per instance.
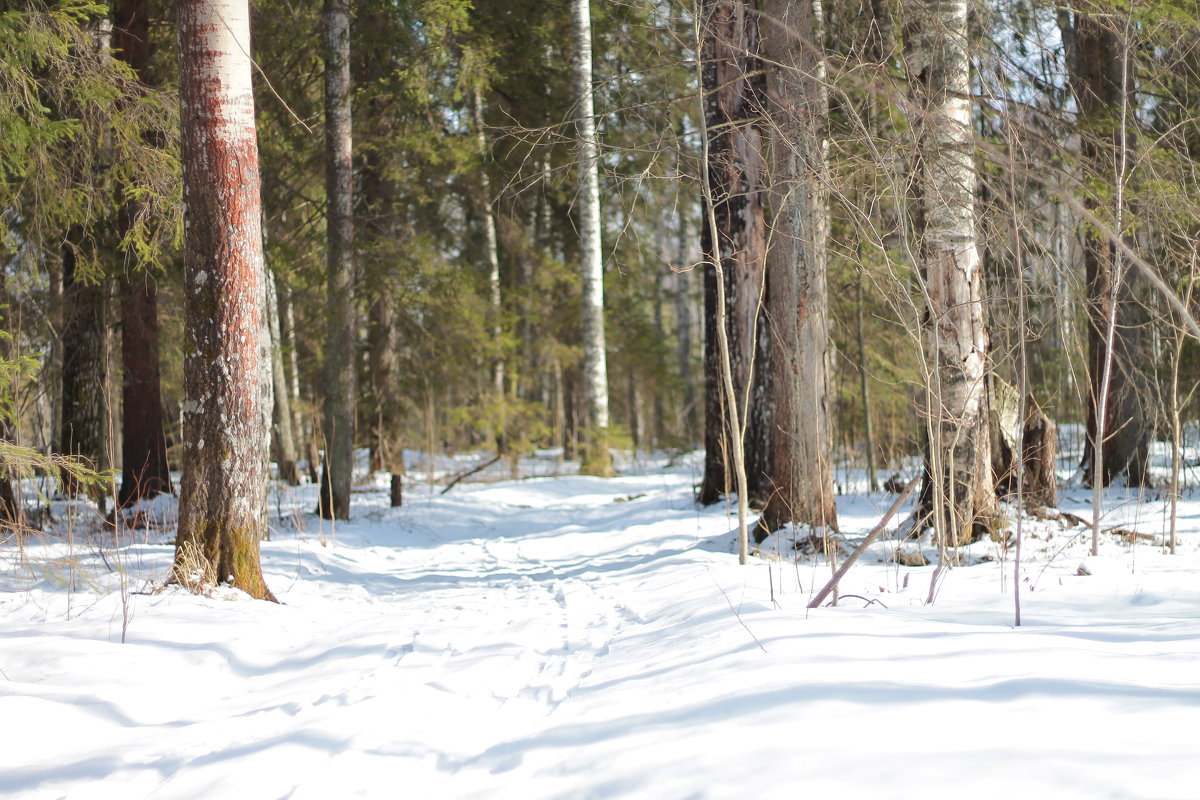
{"type": "Point", "coordinates": [958, 494]}
{"type": "Point", "coordinates": [222, 505]}
{"type": "Point", "coordinates": [340, 391]}
{"type": "Point", "coordinates": [596, 457]}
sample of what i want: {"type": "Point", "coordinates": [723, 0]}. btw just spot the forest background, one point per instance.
{"type": "Point", "coordinates": [443, 302]}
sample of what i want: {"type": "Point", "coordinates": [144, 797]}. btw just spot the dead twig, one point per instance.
{"type": "Point", "coordinates": [867, 542]}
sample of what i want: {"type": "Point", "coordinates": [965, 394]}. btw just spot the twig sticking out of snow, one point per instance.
{"type": "Point", "coordinates": [867, 542]}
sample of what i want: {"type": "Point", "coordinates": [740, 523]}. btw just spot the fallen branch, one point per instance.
{"type": "Point", "coordinates": [867, 542]}
{"type": "Point", "coordinates": [469, 473]}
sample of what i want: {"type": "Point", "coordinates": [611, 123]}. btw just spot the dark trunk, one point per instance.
{"type": "Point", "coordinates": [1102, 78]}
{"type": "Point", "coordinates": [144, 469]}
{"type": "Point", "coordinates": [733, 104]}
{"type": "Point", "coordinates": [144, 472]}
{"type": "Point", "coordinates": [84, 372]}
{"type": "Point", "coordinates": [340, 392]}
{"type": "Point", "coordinates": [801, 447]}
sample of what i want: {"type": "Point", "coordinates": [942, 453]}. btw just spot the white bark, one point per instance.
{"type": "Point", "coordinates": [961, 494]}
{"type": "Point", "coordinates": [491, 245]}
{"type": "Point", "coordinates": [595, 366]}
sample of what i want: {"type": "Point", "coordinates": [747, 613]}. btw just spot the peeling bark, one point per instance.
{"type": "Point", "coordinates": [958, 494]}
{"type": "Point", "coordinates": [801, 456]}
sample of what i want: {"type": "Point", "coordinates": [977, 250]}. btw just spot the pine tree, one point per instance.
{"type": "Point", "coordinates": [222, 504]}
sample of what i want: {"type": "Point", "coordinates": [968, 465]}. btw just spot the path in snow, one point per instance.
{"type": "Point", "coordinates": [577, 637]}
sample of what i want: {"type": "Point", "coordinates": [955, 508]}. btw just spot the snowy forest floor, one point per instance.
{"type": "Point", "coordinates": [585, 637]}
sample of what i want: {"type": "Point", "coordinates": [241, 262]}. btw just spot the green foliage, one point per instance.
{"type": "Point", "coordinates": [81, 137]}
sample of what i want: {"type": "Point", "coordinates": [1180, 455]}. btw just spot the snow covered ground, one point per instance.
{"type": "Point", "coordinates": [580, 637]}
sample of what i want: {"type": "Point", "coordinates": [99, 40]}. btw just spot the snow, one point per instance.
{"type": "Point", "coordinates": [583, 637]}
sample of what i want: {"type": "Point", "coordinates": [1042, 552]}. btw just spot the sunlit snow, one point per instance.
{"type": "Point", "coordinates": [582, 637]}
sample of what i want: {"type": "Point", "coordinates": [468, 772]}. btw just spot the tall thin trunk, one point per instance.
{"type": "Point", "coordinates": [144, 469]}
{"type": "Point", "coordinates": [1102, 81]}
{"type": "Point", "coordinates": [340, 390]}
{"type": "Point", "coordinates": [287, 340]}
{"type": "Point", "coordinates": [801, 466]}
{"type": "Point", "coordinates": [12, 512]}
{"type": "Point", "coordinates": [491, 246]}
{"type": "Point", "coordinates": [958, 494]}
{"type": "Point", "coordinates": [733, 104]}
{"type": "Point", "coordinates": [223, 494]}
{"type": "Point", "coordinates": [597, 458]}
{"type": "Point", "coordinates": [689, 416]}
{"type": "Point", "coordinates": [283, 439]}
{"type": "Point", "coordinates": [864, 385]}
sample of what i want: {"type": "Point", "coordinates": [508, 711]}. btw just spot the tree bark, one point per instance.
{"type": "Point", "coordinates": [1101, 79]}
{"type": "Point", "coordinates": [223, 501]}
{"type": "Point", "coordinates": [689, 414]}
{"type": "Point", "coordinates": [340, 392]}
{"type": "Point", "coordinates": [283, 434]}
{"type": "Point", "coordinates": [144, 468]}
{"type": "Point", "coordinates": [958, 494]}
{"type": "Point", "coordinates": [596, 457]}
{"type": "Point", "coordinates": [12, 508]}
{"type": "Point", "coordinates": [801, 457]}
{"type": "Point", "coordinates": [84, 371]}
{"type": "Point", "coordinates": [733, 108]}
{"type": "Point", "coordinates": [491, 246]}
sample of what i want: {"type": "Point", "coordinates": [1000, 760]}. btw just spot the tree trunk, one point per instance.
{"type": "Point", "coordinates": [144, 469]}
{"type": "Point", "coordinates": [338, 471]}
{"type": "Point", "coordinates": [958, 495]}
{"type": "Point", "coordinates": [84, 370]}
{"type": "Point", "coordinates": [12, 509]}
{"type": "Point", "coordinates": [688, 416]}
{"type": "Point", "coordinates": [1039, 447]}
{"type": "Point", "coordinates": [491, 246]}
{"type": "Point", "coordinates": [733, 101]}
{"type": "Point", "coordinates": [1101, 79]}
{"type": "Point", "coordinates": [801, 466]}
{"type": "Point", "coordinates": [223, 500]}
{"type": "Point", "coordinates": [283, 434]}
{"type": "Point", "coordinates": [287, 334]}
{"type": "Point", "coordinates": [596, 459]}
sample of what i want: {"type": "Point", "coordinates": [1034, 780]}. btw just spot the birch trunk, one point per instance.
{"type": "Point", "coordinates": [596, 457]}
{"type": "Point", "coordinates": [338, 470]}
{"type": "Point", "coordinates": [491, 247]}
{"type": "Point", "coordinates": [958, 495]}
{"type": "Point", "coordinates": [223, 502]}
{"type": "Point", "coordinates": [801, 465]}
